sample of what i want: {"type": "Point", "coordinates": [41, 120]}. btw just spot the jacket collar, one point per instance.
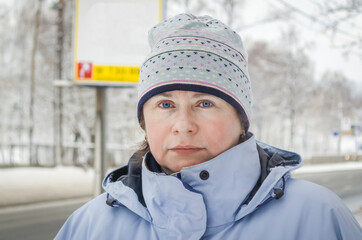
{"type": "Point", "coordinates": [276, 166]}
{"type": "Point", "coordinates": [231, 177]}
{"type": "Point", "coordinates": [254, 171]}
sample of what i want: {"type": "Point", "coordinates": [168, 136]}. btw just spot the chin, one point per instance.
{"type": "Point", "coordinates": [189, 164]}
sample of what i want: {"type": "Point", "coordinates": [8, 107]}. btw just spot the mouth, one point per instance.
{"type": "Point", "coordinates": [186, 149]}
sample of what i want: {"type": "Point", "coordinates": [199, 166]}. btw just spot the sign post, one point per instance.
{"type": "Point", "coordinates": [110, 44]}
{"type": "Point", "coordinates": [100, 137]}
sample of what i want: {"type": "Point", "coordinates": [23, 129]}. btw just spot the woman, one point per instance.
{"type": "Point", "coordinates": [201, 174]}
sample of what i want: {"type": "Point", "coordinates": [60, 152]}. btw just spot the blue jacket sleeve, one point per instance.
{"type": "Point", "coordinates": [321, 214]}
{"type": "Point", "coordinates": [345, 225]}
{"type": "Point", "coordinates": [76, 226]}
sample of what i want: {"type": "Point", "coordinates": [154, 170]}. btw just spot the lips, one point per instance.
{"type": "Point", "coordinates": [186, 149]}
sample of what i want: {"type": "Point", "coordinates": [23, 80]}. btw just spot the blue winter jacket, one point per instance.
{"type": "Point", "coordinates": [244, 193]}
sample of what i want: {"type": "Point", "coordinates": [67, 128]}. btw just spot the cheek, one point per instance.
{"type": "Point", "coordinates": [223, 133]}
{"type": "Point", "coordinates": [156, 135]}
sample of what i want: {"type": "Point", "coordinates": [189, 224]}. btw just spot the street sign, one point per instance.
{"type": "Point", "coordinates": [110, 39]}
{"type": "Point", "coordinates": [346, 124]}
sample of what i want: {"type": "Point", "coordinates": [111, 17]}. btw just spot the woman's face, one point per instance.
{"type": "Point", "coordinates": [185, 128]}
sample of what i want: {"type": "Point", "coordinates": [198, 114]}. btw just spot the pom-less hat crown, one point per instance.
{"type": "Point", "coordinates": [196, 54]}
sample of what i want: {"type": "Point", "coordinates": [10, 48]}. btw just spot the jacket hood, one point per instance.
{"type": "Point", "coordinates": [255, 174]}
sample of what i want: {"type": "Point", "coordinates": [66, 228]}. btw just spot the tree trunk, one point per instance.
{"type": "Point", "coordinates": [32, 82]}
{"type": "Point", "coordinates": [292, 128]}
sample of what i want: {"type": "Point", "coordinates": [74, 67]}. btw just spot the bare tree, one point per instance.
{"type": "Point", "coordinates": [282, 78]}
{"type": "Point", "coordinates": [341, 19]}
{"type": "Point", "coordinates": [334, 102]}
{"type": "Point", "coordinates": [4, 18]}
{"type": "Point", "coordinates": [232, 9]}
{"type": "Point", "coordinates": [298, 81]}
{"type": "Point", "coordinates": [264, 67]}
{"type": "Point", "coordinates": [32, 80]}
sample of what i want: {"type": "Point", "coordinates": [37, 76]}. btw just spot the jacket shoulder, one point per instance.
{"type": "Point", "coordinates": [320, 207]}
{"type": "Point", "coordinates": [309, 195]}
{"type": "Point", "coordinates": [312, 192]}
{"type": "Point", "coordinates": [78, 222]}
{"type": "Point", "coordinates": [97, 220]}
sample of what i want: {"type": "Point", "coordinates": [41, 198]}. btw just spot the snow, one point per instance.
{"type": "Point", "coordinates": [315, 168]}
{"type": "Point", "coordinates": [43, 186]}
{"type": "Point", "coordinates": [28, 185]}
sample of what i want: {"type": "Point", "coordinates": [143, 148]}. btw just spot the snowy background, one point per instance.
{"type": "Point", "coordinates": [304, 62]}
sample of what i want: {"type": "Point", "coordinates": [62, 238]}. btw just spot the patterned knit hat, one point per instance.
{"type": "Point", "coordinates": [198, 54]}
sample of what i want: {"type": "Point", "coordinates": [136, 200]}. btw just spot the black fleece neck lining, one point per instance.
{"type": "Point", "coordinates": [131, 176]}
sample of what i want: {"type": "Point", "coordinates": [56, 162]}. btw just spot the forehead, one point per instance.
{"type": "Point", "coordinates": [178, 93]}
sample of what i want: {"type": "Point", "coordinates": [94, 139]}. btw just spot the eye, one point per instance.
{"type": "Point", "coordinates": [165, 105]}
{"type": "Point", "coordinates": [205, 104]}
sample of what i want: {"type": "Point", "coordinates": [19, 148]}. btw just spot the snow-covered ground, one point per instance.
{"type": "Point", "coordinates": [20, 186]}
{"type": "Point", "coordinates": [29, 185]}
{"type": "Point", "coordinates": [330, 167]}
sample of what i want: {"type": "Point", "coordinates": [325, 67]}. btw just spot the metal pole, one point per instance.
{"type": "Point", "coordinates": [100, 139]}
{"type": "Point", "coordinates": [164, 10]}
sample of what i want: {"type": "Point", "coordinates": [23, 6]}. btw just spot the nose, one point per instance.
{"type": "Point", "coordinates": [185, 123]}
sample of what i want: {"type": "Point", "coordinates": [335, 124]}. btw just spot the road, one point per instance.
{"type": "Point", "coordinates": [344, 183]}
{"type": "Point", "coordinates": [42, 221]}
{"type": "Point", "coordinates": [36, 222]}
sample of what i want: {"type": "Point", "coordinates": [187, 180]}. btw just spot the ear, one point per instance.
{"type": "Point", "coordinates": [242, 135]}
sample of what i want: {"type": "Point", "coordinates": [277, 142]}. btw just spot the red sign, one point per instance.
{"type": "Point", "coordinates": [84, 70]}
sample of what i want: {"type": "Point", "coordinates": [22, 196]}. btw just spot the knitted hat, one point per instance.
{"type": "Point", "coordinates": [198, 54]}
